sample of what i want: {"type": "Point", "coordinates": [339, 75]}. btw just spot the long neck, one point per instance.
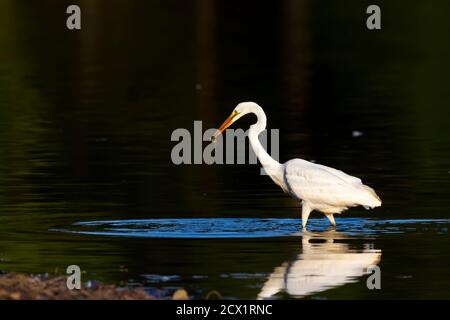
{"type": "Point", "coordinates": [272, 167]}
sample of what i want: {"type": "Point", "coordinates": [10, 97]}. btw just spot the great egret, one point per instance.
{"type": "Point", "coordinates": [318, 187]}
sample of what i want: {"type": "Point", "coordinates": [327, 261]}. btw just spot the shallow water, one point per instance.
{"type": "Point", "coordinates": [214, 228]}
{"type": "Point", "coordinates": [272, 258]}
{"type": "Point", "coordinates": [86, 120]}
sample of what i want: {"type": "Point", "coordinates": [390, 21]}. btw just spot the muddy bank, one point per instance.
{"type": "Point", "coordinates": [24, 287]}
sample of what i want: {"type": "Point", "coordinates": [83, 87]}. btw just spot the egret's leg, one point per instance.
{"type": "Point", "coordinates": [306, 210]}
{"type": "Point", "coordinates": [331, 219]}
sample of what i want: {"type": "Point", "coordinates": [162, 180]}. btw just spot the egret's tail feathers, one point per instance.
{"type": "Point", "coordinates": [373, 200]}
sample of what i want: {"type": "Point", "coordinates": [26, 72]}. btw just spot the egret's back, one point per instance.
{"type": "Point", "coordinates": [326, 189]}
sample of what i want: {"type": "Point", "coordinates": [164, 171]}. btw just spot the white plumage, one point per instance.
{"type": "Point", "coordinates": [318, 187]}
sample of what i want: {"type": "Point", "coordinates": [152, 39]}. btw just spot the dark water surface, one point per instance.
{"type": "Point", "coordinates": [86, 119]}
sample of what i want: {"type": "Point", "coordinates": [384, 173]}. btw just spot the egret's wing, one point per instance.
{"type": "Point", "coordinates": [356, 182]}
{"type": "Point", "coordinates": [341, 174]}
{"type": "Point", "coordinates": [318, 184]}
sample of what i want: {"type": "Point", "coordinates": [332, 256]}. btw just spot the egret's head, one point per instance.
{"type": "Point", "coordinates": [247, 107]}
{"type": "Point", "coordinates": [241, 109]}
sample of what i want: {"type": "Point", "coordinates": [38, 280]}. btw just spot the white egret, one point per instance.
{"type": "Point", "coordinates": [318, 187]}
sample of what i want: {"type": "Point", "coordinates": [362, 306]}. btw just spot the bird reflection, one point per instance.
{"type": "Point", "coordinates": [325, 262]}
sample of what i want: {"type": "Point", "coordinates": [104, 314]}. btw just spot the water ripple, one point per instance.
{"type": "Point", "coordinates": [248, 227]}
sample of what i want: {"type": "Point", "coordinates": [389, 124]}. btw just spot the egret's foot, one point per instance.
{"type": "Point", "coordinates": [331, 219]}
{"type": "Point", "coordinates": [306, 210]}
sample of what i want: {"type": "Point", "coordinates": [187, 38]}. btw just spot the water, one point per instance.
{"type": "Point", "coordinates": [86, 119]}
{"type": "Point", "coordinates": [214, 228]}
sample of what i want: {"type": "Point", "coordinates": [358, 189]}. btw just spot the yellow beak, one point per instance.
{"type": "Point", "coordinates": [224, 125]}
